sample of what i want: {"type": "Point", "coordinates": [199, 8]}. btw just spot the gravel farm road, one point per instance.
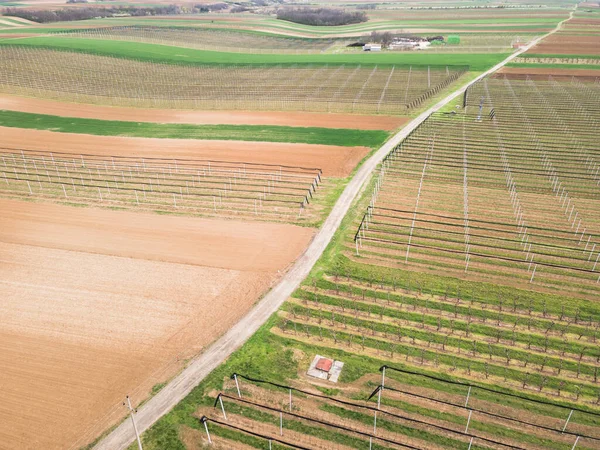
{"type": "Point", "coordinates": [122, 436]}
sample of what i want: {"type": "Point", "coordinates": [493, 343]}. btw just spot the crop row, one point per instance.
{"type": "Point", "coordinates": [116, 81]}
{"type": "Point", "coordinates": [492, 342]}
{"type": "Point", "coordinates": [492, 192]}
{"type": "Point", "coordinates": [206, 39]}
{"type": "Point", "coordinates": [406, 415]}
{"type": "Point", "coordinates": [198, 187]}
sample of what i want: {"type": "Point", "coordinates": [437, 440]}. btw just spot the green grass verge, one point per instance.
{"type": "Point", "coordinates": [270, 133]}
{"type": "Point", "coordinates": [167, 54]}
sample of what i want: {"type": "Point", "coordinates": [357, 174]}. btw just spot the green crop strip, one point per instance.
{"type": "Point", "coordinates": [167, 54]}
{"type": "Point", "coordinates": [267, 133]}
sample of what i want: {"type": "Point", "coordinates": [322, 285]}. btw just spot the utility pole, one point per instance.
{"type": "Point", "coordinates": [131, 411]}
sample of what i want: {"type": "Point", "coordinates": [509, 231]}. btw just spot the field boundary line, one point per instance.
{"type": "Point", "coordinates": [201, 366]}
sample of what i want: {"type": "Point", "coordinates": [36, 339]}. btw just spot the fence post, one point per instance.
{"type": "Point", "coordinates": [468, 395]}
{"type": "Point", "coordinates": [468, 421]}
{"type": "Point", "coordinates": [567, 422]}
{"type": "Point", "coordinates": [222, 407]}
{"type": "Point", "coordinates": [575, 444]}
{"type": "Point", "coordinates": [375, 423]}
{"type": "Point", "coordinates": [237, 385]}
{"type": "Point", "coordinates": [281, 423]}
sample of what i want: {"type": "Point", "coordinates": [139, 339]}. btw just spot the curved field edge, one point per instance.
{"type": "Point", "coordinates": [258, 133]}
{"type": "Point", "coordinates": [165, 54]}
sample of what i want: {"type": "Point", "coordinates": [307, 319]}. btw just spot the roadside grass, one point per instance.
{"type": "Point", "coordinates": [167, 54]}
{"type": "Point", "coordinates": [267, 133]}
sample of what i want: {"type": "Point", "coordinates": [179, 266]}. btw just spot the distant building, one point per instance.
{"type": "Point", "coordinates": [409, 43]}
{"type": "Point", "coordinates": [518, 44]}
{"type": "Point", "coordinates": [325, 369]}
{"type": "Point", "coordinates": [372, 47]}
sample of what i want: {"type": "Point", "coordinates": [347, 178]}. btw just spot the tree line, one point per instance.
{"type": "Point", "coordinates": [321, 16]}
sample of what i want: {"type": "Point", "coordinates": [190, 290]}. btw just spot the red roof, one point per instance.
{"type": "Point", "coordinates": [324, 364]}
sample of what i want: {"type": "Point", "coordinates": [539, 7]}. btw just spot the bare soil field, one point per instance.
{"type": "Point", "coordinates": [563, 43]}
{"type": "Point", "coordinates": [333, 160]}
{"type": "Point", "coordinates": [295, 119]}
{"type": "Point", "coordinates": [17, 36]}
{"type": "Point", "coordinates": [542, 73]}
{"type": "Point", "coordinates": [98, 304]}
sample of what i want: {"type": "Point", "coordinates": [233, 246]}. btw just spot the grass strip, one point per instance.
{"type": "Point", "coordinates": [267, 133]}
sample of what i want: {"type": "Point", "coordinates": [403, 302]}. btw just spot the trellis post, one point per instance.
{"type": "Point", "coordinates": [567, 421]}
{"type": "Point", "coordinates": [468, 421]}
{"type": "Point", "coordinates": [204, 421]}
{"type": "Point", "coordinates": [237, 385]}
{"type": "Point", "coordinates": [222, 407]}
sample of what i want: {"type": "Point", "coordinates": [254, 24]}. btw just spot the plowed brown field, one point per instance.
{"type": "Point", "coordinates": [97, 304]}
{"type": "Point", "coordinates": [333, 160]}
{"type": "Point", "coordinates": [566, 44]}
{"type": "Point", "coordinates": [294, 119]}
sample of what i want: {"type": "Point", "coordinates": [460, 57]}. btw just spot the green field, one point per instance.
{"type": "Point", "coordinates": [166, 54]}
{"type": "Point", "coordinates": [325, 136]}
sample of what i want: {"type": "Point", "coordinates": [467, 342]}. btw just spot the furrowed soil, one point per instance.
{"type": "Point", "coordinates": [563, 43]}
{"type": "Point", "coordinates": [294, 119]}
{"type": "Point", "coordinates": [335, 161]}
{"type": "Point", "coordinates": [98, 304]}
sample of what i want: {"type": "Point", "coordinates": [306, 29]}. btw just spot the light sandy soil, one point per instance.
{"type": "Point", "coordinates": [17, 36]}
{"type": "Point", "coordinates": [95, 301]}
{"type": "Point", "coordinates": [294, 119]}
{"type": "Point", "coordinates": [333, 160]}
